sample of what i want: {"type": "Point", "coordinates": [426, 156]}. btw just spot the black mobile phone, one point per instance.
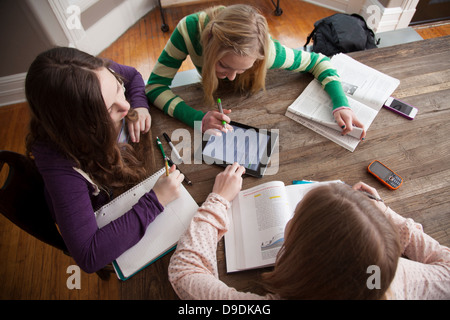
{"type": "Point", "coordinates": [401, 108]}
{"type": "Point", "coordinates": [386, 176]}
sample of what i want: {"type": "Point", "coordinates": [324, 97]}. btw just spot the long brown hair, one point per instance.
{"type": "Point", "coordinates": [239, 29]}
{"type": "Point", "coordinates": [335, 235]}
{"type": "Point", "coordinates": [68, 111]}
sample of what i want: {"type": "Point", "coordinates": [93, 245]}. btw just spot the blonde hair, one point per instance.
{"type": "Point", "coordinates": [335, 235]}
{"type": "Point", "coordinates": [239, 29]}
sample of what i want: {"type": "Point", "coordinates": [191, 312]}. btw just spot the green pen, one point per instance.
{"type": "Point", "coordinates": [219, 104]}
{"type": "Point", "coordinates": [164, 155]}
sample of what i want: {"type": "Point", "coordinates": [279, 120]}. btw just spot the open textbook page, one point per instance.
{"type": "Point", "coordinates": [315, 104]}
{"type": "Point", "coordinates": [258, 217]}
{"type": "Point", "coordinates": [366, 89]}
{"type": "Point", "coordinates": [363, 83]}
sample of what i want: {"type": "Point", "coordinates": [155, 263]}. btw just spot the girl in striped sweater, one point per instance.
{"type": "Point", "coordinates": [234, 43]}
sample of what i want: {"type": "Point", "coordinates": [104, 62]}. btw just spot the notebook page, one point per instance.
{"type": "Point", "coordinates": [161, 235]}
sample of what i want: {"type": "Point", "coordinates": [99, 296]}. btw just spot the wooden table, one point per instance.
{"type": "Point", "coordinates": [418, 150]}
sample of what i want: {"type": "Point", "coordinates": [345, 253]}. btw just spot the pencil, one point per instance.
{"type": "Point", "coordinates": [167, 168]}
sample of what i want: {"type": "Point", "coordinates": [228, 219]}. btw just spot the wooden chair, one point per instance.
{"type": "Point", "coordinates": [22, 201]}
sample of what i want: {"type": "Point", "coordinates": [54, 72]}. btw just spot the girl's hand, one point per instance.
{"type": "Point", "coordinates": [229, 182]}
{"type": "Point", "coordinates": [142, 125]}
{"type": "Point", "coordinates": [167, 188]}
{"type": "Point", "coordinates": [213, 120]}
{"type": "Point", "coordinates": [346, 118]}
{"type": "Point", "coordinates": [361, 186]}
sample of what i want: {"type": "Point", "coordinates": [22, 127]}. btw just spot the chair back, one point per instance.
{"type": "Point", "coordinates": [22, 199]}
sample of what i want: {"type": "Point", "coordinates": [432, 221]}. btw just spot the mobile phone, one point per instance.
{"type": "Point", "coordinates": [401, 108]}
{"type": "Point", "coordinates": [387, 176]}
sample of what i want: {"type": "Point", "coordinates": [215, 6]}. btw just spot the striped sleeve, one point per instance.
{"type": "Point", "coordinates": [281, 57]}
{"type": "Point", "coordinates": [182, 42]}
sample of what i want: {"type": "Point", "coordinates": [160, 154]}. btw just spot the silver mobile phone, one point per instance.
{"type": "Point", "coordinates": [401, 108]}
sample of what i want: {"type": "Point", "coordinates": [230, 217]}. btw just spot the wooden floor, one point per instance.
{"type": "Point", "coordinates": [31, 270]}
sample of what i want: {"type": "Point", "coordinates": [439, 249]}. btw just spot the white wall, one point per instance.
{"type": "Point", "coordinates": [21, 42]}
{"type": "Point", "coordinates": [380, 15]}
{"type": "Point", "coordinates": [389, 14]}
{"type": "Point", "coordinates": [100, 22]}
{"type": "Point", "coordinates": [89, 25]}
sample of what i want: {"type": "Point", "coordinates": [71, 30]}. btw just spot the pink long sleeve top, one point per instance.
{"type": "Point", "coordinates": [423, 274]}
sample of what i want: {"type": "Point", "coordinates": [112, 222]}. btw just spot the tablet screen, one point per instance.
{"type": "Point", "coordinates": [248, 146]}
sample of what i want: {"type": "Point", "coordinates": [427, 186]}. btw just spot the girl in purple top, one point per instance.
{"type": "Point", "coordinates": [83, 112]}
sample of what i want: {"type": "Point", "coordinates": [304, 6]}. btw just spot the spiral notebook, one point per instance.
{"type": "Point", "coordinates": [161, 235]}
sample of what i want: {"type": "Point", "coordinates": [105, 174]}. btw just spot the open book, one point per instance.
{"type": "Point", "coordinates": [366, 89]}
{"type": "Point", "coordinates": [161, 235]}
{"type": "Point", "coordinates": [258, 217]}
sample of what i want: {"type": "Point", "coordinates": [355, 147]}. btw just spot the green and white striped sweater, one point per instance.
{"type": "Point", "coordinates": [185, 40]}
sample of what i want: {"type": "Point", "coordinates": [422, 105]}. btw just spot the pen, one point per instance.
{"type": "Point", "coordinates": [186, 179]}
{"type": "Point", "coordinates": [164, 156]}
{"type": "Point", "coordinates": [371, 196]}
{"type": "Point", "coordinates": [173, 147]}
{"type": "Point", "coordinates": [219, 104]}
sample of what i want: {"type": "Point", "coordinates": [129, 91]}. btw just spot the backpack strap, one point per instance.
{"type": "Point", "coordinates": [377, 41]}
{"type": "Point", "coordinates": [309, 37]}
{"type": "Point", "coordinates": [312, 34]}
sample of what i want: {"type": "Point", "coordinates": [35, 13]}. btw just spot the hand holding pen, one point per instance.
{"type": "Point", "coordinates": [169, 162]}
{"type": "Point", "coordinates": [214, 120]}
{"type": "Point", "coordinates": [167, 188]}
{"type": "Point", "coordinates": [185, 179]}
{"type": "Point", "coordinates": [371, 193]}
{"type": "Point", "coordinates": [367, 190]}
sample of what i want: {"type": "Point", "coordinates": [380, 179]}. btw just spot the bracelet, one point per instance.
{"type": "Point", "coordinates": [341, 108]}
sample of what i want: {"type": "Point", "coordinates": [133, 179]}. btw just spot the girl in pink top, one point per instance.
{"type": "Point", "coordinates": [336, 233]}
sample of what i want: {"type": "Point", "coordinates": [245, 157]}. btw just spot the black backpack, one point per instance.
{"type": "Point", "coordinates": [341, 33]}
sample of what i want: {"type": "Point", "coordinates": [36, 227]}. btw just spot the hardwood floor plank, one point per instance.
{"type": "Point", "coordinates": [434, 30]}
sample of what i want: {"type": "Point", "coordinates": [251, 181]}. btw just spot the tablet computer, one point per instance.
{"type": "Point", "coordinates": [249, 146]}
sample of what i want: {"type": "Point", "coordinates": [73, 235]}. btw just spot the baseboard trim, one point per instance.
{"type": "Point", "coordinates": [12, 89]}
